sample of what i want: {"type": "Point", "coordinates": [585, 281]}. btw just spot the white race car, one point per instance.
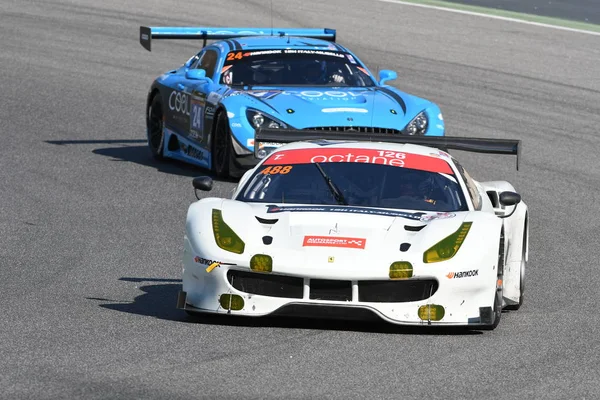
{"type": "Point", "coordinates": [398, 229]}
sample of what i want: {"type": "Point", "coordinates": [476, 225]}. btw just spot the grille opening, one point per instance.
{"type": "Point", "coordinates": [322, 289]}
{"type": "Point", "coordinates": [396, 291]}
{"type": "Point", "coordinates": [266, 285]}
{"type": "Point", "coordinates": [360, 129]}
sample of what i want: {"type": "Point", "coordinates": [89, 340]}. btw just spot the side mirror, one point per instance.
{"type": "Point", "coordinates": [204, 183]}
{"type": "Point", "coordinates": [196, 74]}
{"type": "Point", "coordinates": [510, 198]}
{"type": "Point", "coordinates": [387, 75]}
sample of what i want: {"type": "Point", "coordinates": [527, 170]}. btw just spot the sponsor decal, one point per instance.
{"type": "Point", "coordinates": [331, 241]}
{"type": "Point", "coordinates": [179, 102]}
{"type": "Point", "coordinates": [273, 209]}
{"type": "Point", "coordinates": [463, 274]}
{"type": "Point", "coordinates": [318, 52]}
{"type": "Point", "coordinates": [213, 98]}
{"type": "Point", "coordinates": [226, 68]}
{"type": "Point", "coordinates": [250, 143]}
{"type": "Point", "coordinates": [209, 111]}
{"type": "Point", "coordinates": [440, 117]}
{"type": "Point", "coordinates": [236, 125]}
{"type": "Point", "coordinates": [418, 216]}
{"type": "Point", "coordinates": [228, 78]}
{"type": "Point", "coordinates": [351, 59]}
{"type": "Point", "coordinates": [264, 94]}
{"type": "Point", "coordinates": [230, 114]}
{"type": "Point", "coordinates": [356, 155]}
{"type": "Point", "coordinates": [364, 71]}
{"type": "Point", "coordinates": [346, 109]}
{"type": "Point", "coordinates": [195, 136]}
{"type": "Point", "coordinates": [144, 36]}
{"type": "Point", "coordinates": [205, 261]}
{"type": "Point", "coordinates": [193, 152]}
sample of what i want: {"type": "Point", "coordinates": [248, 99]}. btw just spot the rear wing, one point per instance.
{"type": "Point", "coordinates": [207, 33]}
{"type": "Point", "coordinates": [275, 137]}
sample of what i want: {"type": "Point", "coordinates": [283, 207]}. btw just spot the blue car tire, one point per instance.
{"type": "Point", "coordinates": [155, 128]}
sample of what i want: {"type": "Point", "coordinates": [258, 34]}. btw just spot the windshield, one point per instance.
{"type": "Point", "coordinates": [293, 67]}
{"type": "Point", "coordinates": [364, 177]}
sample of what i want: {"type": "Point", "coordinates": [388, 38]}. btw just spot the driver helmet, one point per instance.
{"type": "Point", "coordinates": [315, 72]}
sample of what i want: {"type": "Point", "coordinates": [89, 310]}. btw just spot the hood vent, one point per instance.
{"type": "Point", "coordinates": [412, 228]}
{"type": "Point", "coordinates": [266, 221]}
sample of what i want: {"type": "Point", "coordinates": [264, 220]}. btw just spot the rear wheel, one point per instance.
{"type": "Point", "coordinates": [155, 128]}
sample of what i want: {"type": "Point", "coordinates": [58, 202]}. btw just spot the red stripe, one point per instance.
{"type": "Point", "coordinates": [369, 156]}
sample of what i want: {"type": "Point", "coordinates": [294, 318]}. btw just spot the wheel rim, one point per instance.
{"type": "Point", "coordinates": [155, 131]}
{"type": "Point", "coordinates": [220, 146]}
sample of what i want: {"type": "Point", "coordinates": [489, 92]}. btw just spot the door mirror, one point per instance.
{"type": "Point", "coordinates": [204, 183]}
{"type": "Point", "coordinates": [387, 75]}
{"type": "Point", "coordinates": [510, 198]}
{"type": "Point", "coordinates": [196, 74]}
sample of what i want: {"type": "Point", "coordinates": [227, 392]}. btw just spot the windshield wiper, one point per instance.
{"type": "Point", "coordinates": [339, 197]}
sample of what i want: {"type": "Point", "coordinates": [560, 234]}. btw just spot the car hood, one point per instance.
{"type": "Point", "coordinates": [300, 232]}
{"type": "Point", "coordinates": [303, 108]}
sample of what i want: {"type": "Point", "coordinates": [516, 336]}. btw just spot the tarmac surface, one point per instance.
{"type": "Point", "coordinates": [92, 227]}
{"type": "Point", "coordinates": [575, 10]}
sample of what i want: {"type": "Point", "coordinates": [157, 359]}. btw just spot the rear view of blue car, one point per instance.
{"type": "Point", "coordinates": [207, 111]}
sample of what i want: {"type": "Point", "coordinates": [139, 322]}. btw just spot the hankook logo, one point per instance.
{"type": "Point", "coordinates": [463, 274]}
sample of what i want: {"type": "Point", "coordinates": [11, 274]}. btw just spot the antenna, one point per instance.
{"type": "Point", "coordinates": [374, 92]}
{"type": "Point", "coordinates": [271, 17]}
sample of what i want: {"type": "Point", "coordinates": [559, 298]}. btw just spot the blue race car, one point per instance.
{"type": "Point", "coordinates": [206, 112]}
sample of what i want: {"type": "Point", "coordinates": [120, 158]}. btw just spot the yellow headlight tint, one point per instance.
{"type": "Point", "coordinates": [225, 237]}
{"type": "Point", "coordinates": [401, 270]}
{"type": "Point", "coordinates": [261, 263]}
{"type": "Point", "coordinates": [431, 312]}
{"type": "Point", "coordinates": [231, 302]}
{"type": "Point", "coordinates": [446, 248]}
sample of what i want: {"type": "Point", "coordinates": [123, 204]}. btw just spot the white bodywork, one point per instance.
{"type": "Point", "coordinates": [466, 283]}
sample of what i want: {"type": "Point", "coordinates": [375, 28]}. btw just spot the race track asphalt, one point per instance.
{"type": "Point", "coordinates": [92, 227]}
{"type": "Point", "coordinates": [575, 10]}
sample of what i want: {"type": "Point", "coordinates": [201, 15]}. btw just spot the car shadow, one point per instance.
{"type": "Point", "coordinates": [127, 151]}
{"type": "Point", "coordinates": [159, 298]}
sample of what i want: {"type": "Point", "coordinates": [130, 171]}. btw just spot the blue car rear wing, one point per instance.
{"type": "Point", "coordinates": [211, 33]}
{"type": "Point", "coordinates": [476, 145]}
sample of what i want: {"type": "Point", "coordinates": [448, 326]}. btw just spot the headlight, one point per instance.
{"type": "Point", "coordinates": [225, 237]}
{"type": "Point", "coordinates": [259, 120]}
{"type": "Point", "coordinates": [446, 248]}
{"type": "Point", "coordinates": [418, 126]}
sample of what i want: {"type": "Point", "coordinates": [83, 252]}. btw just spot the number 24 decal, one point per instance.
{"type": "Point", "coordinates": [234, 56]}
{"type": "Point", "coordinates": [278, 169]}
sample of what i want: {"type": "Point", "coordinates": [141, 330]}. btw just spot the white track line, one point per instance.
{"type": "Point", "coordinates": [478, 14]}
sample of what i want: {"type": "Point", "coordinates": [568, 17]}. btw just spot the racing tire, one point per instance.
{"type": "Point", "coordinates": [515, 307]}
{"type": "Point", "coordinates": [222, 148]}
{"type": "Point", "coordinates": [155, 128]}
{"type": "Point", "coordinates": [498, 296]}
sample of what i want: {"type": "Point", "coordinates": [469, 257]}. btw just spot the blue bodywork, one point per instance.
{"type": "Point", "coordinates": [192, 97]}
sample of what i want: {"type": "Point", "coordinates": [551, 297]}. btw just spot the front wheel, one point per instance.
{"type": "Point", "coordinates": [221, 147]}
{"type": "Point", "coordinates": [155, 128]}
{"type": "Point", "coordinates": [497, 308]}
